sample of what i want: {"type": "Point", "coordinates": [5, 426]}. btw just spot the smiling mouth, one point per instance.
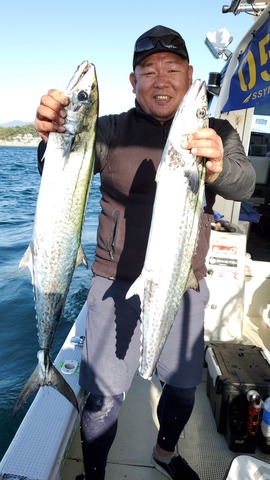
{"type": "Point", "coordinates": [162, 97]}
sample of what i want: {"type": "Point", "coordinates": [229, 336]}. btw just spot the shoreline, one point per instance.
{"type": "Point", "coordinates": [32, 143]}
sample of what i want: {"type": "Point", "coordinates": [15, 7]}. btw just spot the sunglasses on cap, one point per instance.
{"type": "Point", "coordinates": [168, 41]}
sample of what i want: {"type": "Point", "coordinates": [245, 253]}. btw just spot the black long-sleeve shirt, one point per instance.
{"type": "Point", "coordinates": [128, 151]}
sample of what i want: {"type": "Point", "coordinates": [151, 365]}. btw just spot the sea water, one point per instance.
{"type": "Point", "coordinates": [19, 185]}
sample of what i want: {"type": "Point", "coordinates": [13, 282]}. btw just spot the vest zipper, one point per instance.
{"type": "Point", "coordinates": [112, 242]}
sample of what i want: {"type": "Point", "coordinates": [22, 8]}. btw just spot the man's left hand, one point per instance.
{"type": "Point", "coordinates": [207, 143]}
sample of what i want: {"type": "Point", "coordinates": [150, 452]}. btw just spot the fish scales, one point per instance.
{"type": "Point", "coordinates": [55, 249]}
{"type": "Point", "coordinates": [178, 205]}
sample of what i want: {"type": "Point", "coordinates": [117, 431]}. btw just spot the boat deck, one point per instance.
{"type": "Point", "coordinates": [53, 453]}
{"type": "Point", "coordinates": [130, 457]}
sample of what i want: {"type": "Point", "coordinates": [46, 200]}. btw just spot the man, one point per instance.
{"type": "Point", "coordinates": [128, 151]}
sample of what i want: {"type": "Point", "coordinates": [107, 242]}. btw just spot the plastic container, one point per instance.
{"type": "Point", "coordinates": [264, 438]}
{"type": "Point", "coordinates": [254, 412]}
{"type": "Point", "coordinates": [265, 425]}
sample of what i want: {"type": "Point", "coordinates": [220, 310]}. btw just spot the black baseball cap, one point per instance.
{"type": "Point", "coordinates": [159, 39]}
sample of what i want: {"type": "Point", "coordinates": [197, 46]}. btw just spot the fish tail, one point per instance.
{"type": "Point", "coordinates": [33, 383]}
{"type": "Point", "coordinates": [56, 380]}
{"type": "Point", "coordinates": [45, 374]}
{"type": "Point", "coordinates": [147, 375]}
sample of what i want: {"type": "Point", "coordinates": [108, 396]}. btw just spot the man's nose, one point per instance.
{"type": "Point", "coordinates": [160, 80]}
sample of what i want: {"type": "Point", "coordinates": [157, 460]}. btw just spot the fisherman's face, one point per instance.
{"type": "Point", "coordinates": [160, 83]}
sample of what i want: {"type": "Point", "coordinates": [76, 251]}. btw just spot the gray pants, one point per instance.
{"type": "Point", "coordinates": [112, 347]}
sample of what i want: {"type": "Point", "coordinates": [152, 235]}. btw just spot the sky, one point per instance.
{"type": "Point", "coordinates": [43, 42]}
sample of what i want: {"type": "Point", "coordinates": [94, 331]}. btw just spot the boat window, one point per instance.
{"type": "Point", "coordinates": [258, 207]}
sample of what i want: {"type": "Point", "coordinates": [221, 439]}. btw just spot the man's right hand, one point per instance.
{"type": "Point", "coordinates": [51, 113]}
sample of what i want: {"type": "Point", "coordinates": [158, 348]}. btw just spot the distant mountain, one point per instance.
{"type": "Point", "coordinates": [15, 123]}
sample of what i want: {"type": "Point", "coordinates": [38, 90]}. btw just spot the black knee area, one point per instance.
{"type": "Point", "coordinates": [100, 415]}
{"type": "Point", "coordinates": [98, 430]}
{"type": "Point", "coordinates": [175, 395]}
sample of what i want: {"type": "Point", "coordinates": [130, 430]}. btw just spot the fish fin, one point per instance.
{"type": "Point", "coordinates": [45, 374]}
{"type": "Point", "coordinates": [81, 258]}
{"type": "Point", "coordinates": [26, 260]}
{"type": "Point", "coordinates": [203, 200]}
{"type": "Point", "coordinates": [192, 281]}
{"type": "Point", "coordinates": [136, 288]}
{"type": "Point", "coordinates": [158, 174]}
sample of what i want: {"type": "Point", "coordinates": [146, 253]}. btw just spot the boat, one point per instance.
{"type": "Point", "coordinates": [47, 444]}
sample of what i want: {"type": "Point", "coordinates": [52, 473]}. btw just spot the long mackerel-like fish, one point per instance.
{"type": "Point", "coordinates": [55, 249]}
{"type": "Point", "coordinates": [179, 200]}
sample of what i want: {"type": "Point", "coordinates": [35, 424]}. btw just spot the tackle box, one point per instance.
{"type": "Point", "coordinates": [232, 370]}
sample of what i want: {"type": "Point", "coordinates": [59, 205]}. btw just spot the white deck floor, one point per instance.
{"type": "Point", "coordinates": [130, 458]}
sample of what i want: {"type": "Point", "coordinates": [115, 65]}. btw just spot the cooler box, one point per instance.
{"type": "Point", "coordinates": [232, 371]}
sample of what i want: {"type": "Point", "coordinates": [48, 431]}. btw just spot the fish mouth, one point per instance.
{"type": "Point", "coordinates": [85, 68]}
{"type": "Point", "coordinates": [81, 71]}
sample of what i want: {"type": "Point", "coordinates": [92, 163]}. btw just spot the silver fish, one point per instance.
{"type": "Point", "coordinates": [55, 249]}
{"type": "Point", "coordinates": [179, 201]}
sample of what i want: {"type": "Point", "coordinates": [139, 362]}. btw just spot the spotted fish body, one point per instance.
{"type": "Point", "coordinates": [55, 249]}
{"type": "Point", "coordinates": [179, 201]}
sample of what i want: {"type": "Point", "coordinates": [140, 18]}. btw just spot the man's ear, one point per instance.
{"type": "Point", "coordinates": [190, 75]}
{"type": "Point", "coordinates": [132, 79]}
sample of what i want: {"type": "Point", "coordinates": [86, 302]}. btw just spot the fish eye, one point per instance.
{"type": "Point", "coordinates": [201, 112]}
{"type": "Point", "coordinates": [82, 96]}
